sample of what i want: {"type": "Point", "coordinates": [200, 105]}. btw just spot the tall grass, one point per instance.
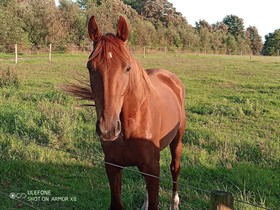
{"type": "Point", "coordinates": [8, 78]}
{"type": "Point", "coordinates": [47, 142]}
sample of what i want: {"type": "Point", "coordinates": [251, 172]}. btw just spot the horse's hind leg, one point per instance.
{"type": "Point", "coordinates": [176, 152]}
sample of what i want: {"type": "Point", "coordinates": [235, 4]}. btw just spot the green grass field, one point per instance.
{"type": "Point", "coordinates": [232, 141]}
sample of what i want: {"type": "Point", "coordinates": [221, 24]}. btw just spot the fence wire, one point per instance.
{"type": "Point", "coordinates": [101, 161]}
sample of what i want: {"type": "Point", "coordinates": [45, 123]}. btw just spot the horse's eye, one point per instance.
{"type": "Point", "coordinates": [128, 68]}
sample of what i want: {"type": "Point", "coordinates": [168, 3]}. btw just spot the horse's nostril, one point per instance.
{"type": "Point", "coordinates": [118, 128]}
{"type": "Point", "coordinates": [100, 127]}
{"type": "Point", "coordinates": [118, 125]}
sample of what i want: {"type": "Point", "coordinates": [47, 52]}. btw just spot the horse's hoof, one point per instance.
{"type": "Point", "coordinates": [176, 201]}
{"type": "Point", "coordinates": [146, 202]}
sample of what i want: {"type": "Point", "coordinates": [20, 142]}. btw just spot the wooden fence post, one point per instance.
{"type": "Point", "coordinates": [50, 52]}
{"type": "Point", "coordinates": [16, 54]}
{"type": "Point", "coordinates": [221, 200]}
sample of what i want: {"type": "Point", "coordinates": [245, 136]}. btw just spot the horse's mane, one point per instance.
{"type": "Point", "coordinates": [80, 89]}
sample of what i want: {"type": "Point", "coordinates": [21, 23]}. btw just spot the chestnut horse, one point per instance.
{"type": "Point", "coordinates": [139, 113]}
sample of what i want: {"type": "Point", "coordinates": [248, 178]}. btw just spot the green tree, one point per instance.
{"type": "Point", "coordinates": [219, 36]}
{"type": "Point", "coordinates": [243, 45]}
{"type": "Point", "coordinates": [255, 40]}
{"type": "Point", "coordinates": [107, 13]}
{"type": "Point", "coordinates": [43, 22]}
{"type": "Point", "coordinates": [74, 21]}
{"type": "Point", "coordinates": [11, 26]}
{"type": "Point", "coordinates": [204, 30]}
{"type": "Point", "coordinates": [231, 44]}
{"type": "Point", "coordinates": [136, 4]}
{"type": "Point", "coordinates": [139, 27]}
{"type": "Point", "coordinates": [235, 28]}
{"type": "Point", "coordinates": [272, 43]}
{"type": "Point", "coordinates": [235, 25]}
{"type": "Point", "coordinates": [189, 38]}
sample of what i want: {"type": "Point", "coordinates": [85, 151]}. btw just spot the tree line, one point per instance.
{"type": "Point", "coordinates": [34, 23]}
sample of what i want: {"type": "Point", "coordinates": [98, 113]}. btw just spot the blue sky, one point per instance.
{"type": "Point", "coordinates": [265, 15]}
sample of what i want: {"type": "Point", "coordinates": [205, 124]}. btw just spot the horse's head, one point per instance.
{"type": "Point", "coordinates": [109, 68]}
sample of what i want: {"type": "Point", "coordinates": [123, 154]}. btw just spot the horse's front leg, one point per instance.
{"type": "Point", "coordinates": [151, 173]}
{"type": "Point", "coordinates": [114, 175]}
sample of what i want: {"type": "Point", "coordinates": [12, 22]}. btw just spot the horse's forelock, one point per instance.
{"type": "Point", "coordinates": [109, 48]}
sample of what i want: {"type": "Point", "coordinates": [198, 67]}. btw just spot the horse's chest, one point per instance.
{"type": "Point", "coordinates": [131, 152]}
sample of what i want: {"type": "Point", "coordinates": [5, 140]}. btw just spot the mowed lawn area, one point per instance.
{"type": "Point", "coordinates": [51, 158]}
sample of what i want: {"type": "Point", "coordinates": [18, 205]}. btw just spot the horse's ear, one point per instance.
{"type": "Point", "coordinates": [93, 30]}
{"type": "Point", "coordinates": [122, 32]}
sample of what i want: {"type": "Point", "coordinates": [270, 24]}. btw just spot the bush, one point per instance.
{"type": "Point", "coordinates": [8, 78]}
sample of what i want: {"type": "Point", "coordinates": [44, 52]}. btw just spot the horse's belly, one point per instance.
{"type": "Point", "coordinates": [167, 138]}
{"type": "Point", "coordinates": [170, 119]}
{"type": "Point", "coordinates": [169, 103]}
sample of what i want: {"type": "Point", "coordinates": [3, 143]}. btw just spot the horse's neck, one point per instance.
{"type": "Point", "coordinates": [139, 88]}
{"type": "Point", "coordinates": [140, 84]}
{"type": "Point", "coordinates": [135, 107]}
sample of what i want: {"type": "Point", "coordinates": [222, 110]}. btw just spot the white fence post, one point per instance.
{"type": "Point", "coordinates": [221, 200]}
{"type": "Point", "coordinates": [16, 54]}
{"type": "Point", "coordinates": [50, 52]}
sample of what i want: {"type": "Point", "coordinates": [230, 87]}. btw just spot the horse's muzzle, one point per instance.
{"type": "Point", "coordinates": [108, 131]}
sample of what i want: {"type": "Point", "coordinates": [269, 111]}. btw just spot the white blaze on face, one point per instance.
{"type": "Point", "coordinates": [110, 55]}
